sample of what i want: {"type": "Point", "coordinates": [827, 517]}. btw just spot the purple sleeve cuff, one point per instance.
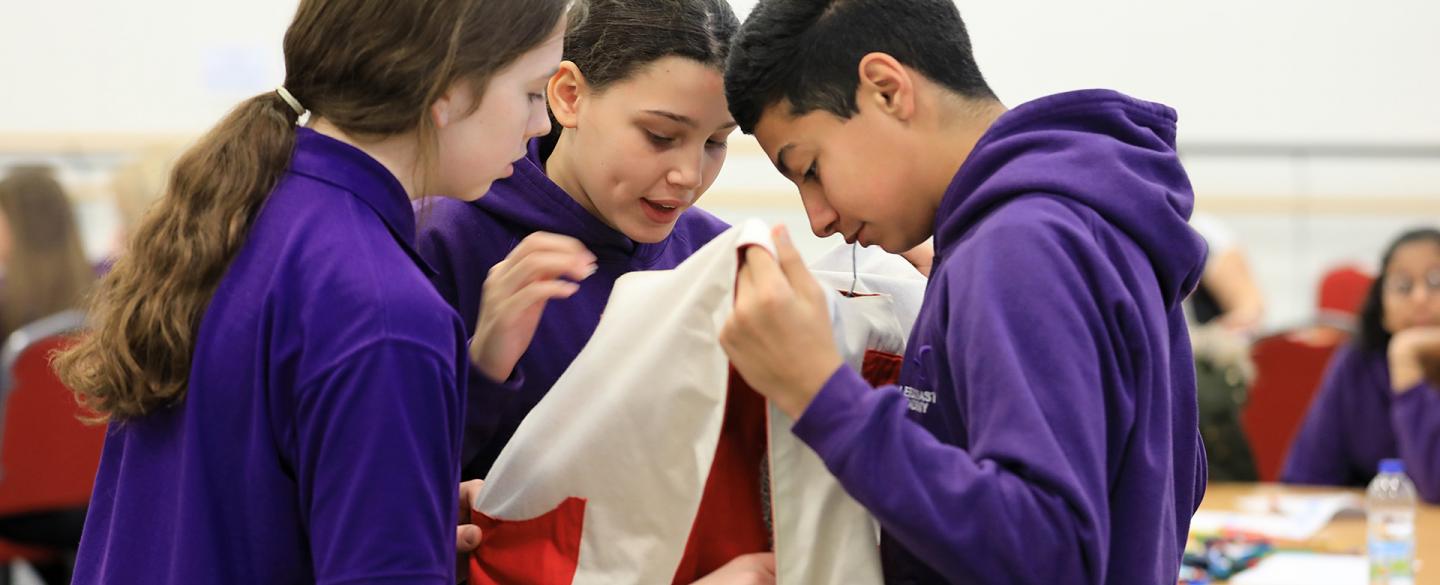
{"type": "Point", "coordinates": [835, 412]}
{"type": "Point", "coordinates": [1415, 415]}
{"type": "Point", "coordinates": [514, 383]}
{"type": "Point", "coordinates": [1419, 397]}
{"type": "Point", "coordinates": [478, 379]}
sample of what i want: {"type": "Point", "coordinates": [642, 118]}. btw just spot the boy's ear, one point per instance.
{"type": "Point", "coordinates": [565, 92]}
{"type": "Point", "coordinates": [887, 85]}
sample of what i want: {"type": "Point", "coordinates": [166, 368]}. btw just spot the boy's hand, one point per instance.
{"type": "Point", "coordinates": [779, 336]}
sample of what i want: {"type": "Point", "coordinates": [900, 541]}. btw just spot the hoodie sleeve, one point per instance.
{"type": "Point", "coordinates": [1416, 416]}
{"type": "Point", "coordinates": [1026, 501]}
{"type": "Point", "coordinates": [1319, 454]}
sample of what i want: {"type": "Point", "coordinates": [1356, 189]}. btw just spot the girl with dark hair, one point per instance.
{"type": "Point", "coordinates": [1381, 394]}
{"type": "Point", "coordinates": [641, 125]}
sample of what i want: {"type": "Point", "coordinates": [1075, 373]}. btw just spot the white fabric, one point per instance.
{"type": "Point", "coordinates": [822, 535]}
{"type": "Point", "coordinates": [632, 427]}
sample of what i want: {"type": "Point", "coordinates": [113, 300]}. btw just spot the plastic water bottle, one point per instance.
{"type": "Point", "coordinates": [1390, 512]}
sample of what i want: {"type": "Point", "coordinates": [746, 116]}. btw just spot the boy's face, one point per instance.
{"type": "Point", "coordinates": [858, 177]}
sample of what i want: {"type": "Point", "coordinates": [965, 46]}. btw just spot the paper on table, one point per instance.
{"type": "Point", "coordinates": [1293, 517]}
{"type": "Point", "coordinates": [1298, 568]}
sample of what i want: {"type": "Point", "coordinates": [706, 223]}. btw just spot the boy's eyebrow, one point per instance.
{"type": "Point", "coordinates": [780, 160]}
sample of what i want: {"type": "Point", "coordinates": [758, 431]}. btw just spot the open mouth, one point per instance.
{"type": "Point", "coordinates": [662, 210]}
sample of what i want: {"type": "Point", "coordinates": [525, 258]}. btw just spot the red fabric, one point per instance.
{"type": "Point", "coordinates": [49, 457]}
{"type": "Point", "coordinates": [731, 519]}
{"type": "Point", "coordinates": [1287, 375]}
{"type": "Point", "coordinates": [729, 523]}
{"type": "Point", "coordinates": [880, 368]}
{"type": "Point", "coordinates": [540, 550]}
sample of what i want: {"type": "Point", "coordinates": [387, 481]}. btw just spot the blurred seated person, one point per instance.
{"type": "Point", "coordinates": [1225, 312]}
{"type": "Point", "coordinates": [1379, 397]}
{"type": "Point", "coordinates": [1227, 295]}
{"type": "Point", "coordinates": [43, 271]}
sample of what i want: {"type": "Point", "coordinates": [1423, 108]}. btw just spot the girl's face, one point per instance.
{"type": "Point", "coordinates": [477, 145]}
{"type": "Point", "coordinates": [1411, 288]}
{"type": "Point", "coordinates": [643, 150]}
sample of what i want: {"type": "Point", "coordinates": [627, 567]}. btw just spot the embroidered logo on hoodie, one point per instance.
{"type": "Point", "coordinates": [920, 400]}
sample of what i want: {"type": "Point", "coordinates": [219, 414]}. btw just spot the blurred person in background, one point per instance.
{"type": "Point", "coordinates": [1381, 395]}
{"type": "Point", "coordinates": [1225, 313]}
{"type": "Point", "coordinates": [43, 271]}
{"type": "Point", "coordinates": [1228, 295]}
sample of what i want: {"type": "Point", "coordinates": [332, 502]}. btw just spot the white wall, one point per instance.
{"type": "Point", "coordinates": [1290, 71]}
{"type": "Point", "coordinates": [139, 66]}
{"type": "Point", "coordinates": [1236, 69]}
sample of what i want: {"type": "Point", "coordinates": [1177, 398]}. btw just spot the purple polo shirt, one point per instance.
{"type": "Point", "coordinates": [319, 440]}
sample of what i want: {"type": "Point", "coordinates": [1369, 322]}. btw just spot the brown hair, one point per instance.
{"type": "Point", "coordinates": [47, 271]}
{"type": "Point", "coordinates": [372, 68]}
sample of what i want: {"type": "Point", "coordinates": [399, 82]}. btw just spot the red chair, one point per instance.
{"type": "Point", "coordinates": [1290, 366]}
{"type": "Point", "coordinates": [1342, 291]}
{"type": "Point", "coordinates": [1288, 371]}
{"type": "Point", "coordinates": [48, 457]}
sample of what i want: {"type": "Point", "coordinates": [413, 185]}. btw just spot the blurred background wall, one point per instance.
{"type": "Point", "coordinates": [1311, 128]}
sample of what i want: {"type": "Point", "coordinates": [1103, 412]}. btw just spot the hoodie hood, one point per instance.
{"type": "Point", "coordinates": [1101, 149]}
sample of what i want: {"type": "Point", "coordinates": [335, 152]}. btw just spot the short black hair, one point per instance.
{"type": "Point", "coordinates": [807, 52]}
{"type": "Point", "coordinates": [1372, 335]}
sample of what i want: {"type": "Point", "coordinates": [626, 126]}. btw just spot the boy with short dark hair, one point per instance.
{"type": "Point", "coordinates": [1045, 430]}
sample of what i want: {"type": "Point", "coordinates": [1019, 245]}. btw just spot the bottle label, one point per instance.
{"type": "Point", "coordinates": [1392, 561]}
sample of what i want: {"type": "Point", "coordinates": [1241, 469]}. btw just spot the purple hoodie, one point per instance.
{"type": "Point", "coordinates": [1046, 427]}
{"type": "Point", "coordinates": [1356, 420]}
{"type": "Point", "coordinates": [464, 240]}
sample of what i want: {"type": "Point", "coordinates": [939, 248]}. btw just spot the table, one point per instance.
{"type": "Point", "coordinates": [1345, 534]}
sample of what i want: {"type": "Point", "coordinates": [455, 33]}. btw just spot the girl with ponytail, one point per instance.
{"type": "Point", "coordinates": [284, 387]}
